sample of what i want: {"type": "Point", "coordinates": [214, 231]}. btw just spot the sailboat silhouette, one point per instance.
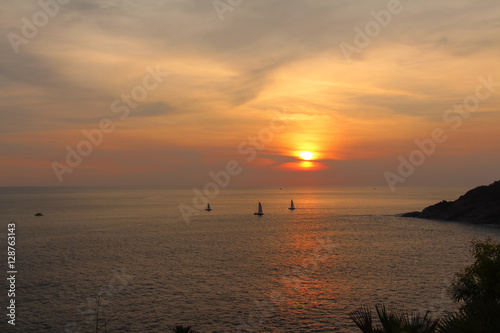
{"type": "Point", "coordinates": [292, 207]}
{"type": "Point", "coordinates": [208, 208]}
{"type": "Point", "coordinates": [260, 213]}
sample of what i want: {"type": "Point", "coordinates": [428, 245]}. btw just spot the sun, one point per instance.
{"type": "Point", "coordinates": [306, 155]}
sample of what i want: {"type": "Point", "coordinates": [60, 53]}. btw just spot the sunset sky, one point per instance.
{"type": "Point", "coordinates": [235, 68]}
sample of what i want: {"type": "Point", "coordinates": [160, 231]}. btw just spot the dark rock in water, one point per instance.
{"type": "Point", "coordinates": [38, 214]}
{"type": "Point", "coordinates": [410, 214]}
{"type": "Point", "coordinates": [480, 206]}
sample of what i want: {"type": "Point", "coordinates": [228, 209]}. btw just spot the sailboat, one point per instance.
{"type": "Point", "coordinates": [292, 207]}
{"type": "Point", "coordinates": [260, 213]}
{"type": "Point", "coordinates": [208, 208]}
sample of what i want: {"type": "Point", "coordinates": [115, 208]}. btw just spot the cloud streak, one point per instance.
{"type": "Point", "coordinates": [227, 78]}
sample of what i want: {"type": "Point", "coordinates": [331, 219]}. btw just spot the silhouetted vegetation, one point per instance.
{"type": "Point", "coordinates": [477, 289]}
{"type": "Point", "coordinates": [182, 329]}
{"type": "Point", "coordinates": [398, 321]}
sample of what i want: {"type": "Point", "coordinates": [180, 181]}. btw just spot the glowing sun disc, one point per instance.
{"type": "Point", "coordinates": [306, 155]}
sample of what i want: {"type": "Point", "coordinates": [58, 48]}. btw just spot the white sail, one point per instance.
{"type": "Point", "coordinates": [292, 206]}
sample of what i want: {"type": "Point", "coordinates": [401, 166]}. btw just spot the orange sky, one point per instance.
{"type": "Point", "coordinates": [228, 79]}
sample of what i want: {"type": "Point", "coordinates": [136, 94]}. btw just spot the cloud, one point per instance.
{"type": "Point", "coordinates": [227, 77]}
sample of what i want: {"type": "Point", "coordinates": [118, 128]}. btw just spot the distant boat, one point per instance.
{"type": "Point", "coordinates": [260, 213]}
{"type": "Point", "coordinates": [208, 208]}
{"type": "Point", "coordinates": [292, 207]}
{"type": "Point", "coordinates": [38, 214]}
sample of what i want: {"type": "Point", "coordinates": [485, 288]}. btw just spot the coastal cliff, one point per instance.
{"type": "Point", "coordinates": [479, 206]}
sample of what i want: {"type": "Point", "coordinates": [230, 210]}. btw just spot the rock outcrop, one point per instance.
{"type": "Point", "coordinates": [479, 206]}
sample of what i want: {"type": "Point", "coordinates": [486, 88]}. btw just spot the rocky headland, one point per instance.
{"type": "Point", "coordinates": [479, 206]}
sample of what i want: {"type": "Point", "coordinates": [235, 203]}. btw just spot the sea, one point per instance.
{"type": "Point", "coordinates": [128, 259]}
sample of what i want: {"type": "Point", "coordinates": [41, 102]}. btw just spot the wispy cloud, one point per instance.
{"type": "Point", "coordinates": [227, 77]}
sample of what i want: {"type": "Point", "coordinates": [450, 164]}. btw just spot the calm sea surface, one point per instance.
{"type": "Point", "coordinates": [286, 271]}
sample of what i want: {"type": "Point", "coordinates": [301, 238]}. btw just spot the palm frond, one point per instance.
{"type": "Point", "coordinates": [182, 329]}
{"type": "Point", "coordinates": [362, 317]}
